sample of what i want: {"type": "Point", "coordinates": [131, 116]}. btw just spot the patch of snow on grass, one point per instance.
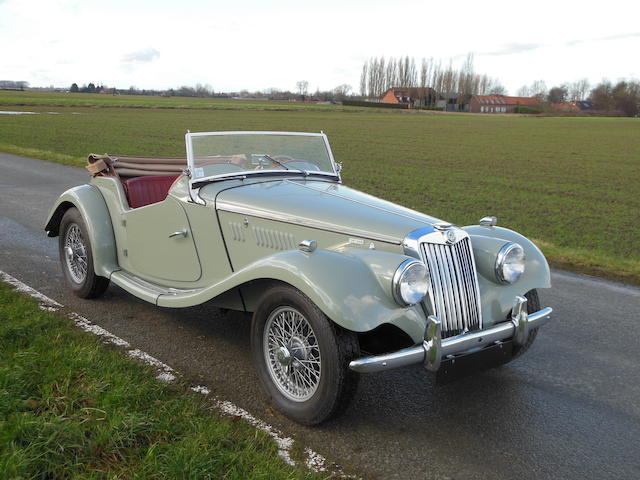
{"type": "Point", "coordinates": [201, 389]}
{"type": "Point", "coordinates": [166, 377]}
{"type": "Point", "coordinates": [315, 461]}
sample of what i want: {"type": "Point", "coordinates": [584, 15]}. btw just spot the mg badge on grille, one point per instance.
{"type": "Point", "coordinates": [450, 235]}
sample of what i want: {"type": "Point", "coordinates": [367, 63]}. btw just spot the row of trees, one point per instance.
{"type": "Point", "coordinates": [567, 92]}
{"type": "Point", "coordinates": [91, 88]}
{"type": "Point", "coordinates": [199, 90]}
{"type": "Point", "coordinates": [13, 84]}
{"type": "Point", "coordinates": [621, 98]}
{"type": "Point", "coordinates": [380, 74]}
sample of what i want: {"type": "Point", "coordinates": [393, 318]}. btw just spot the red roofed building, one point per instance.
{"type": "Point", "coordinates": [500, 103]}
{"type": "Point", "coordinates": [413, 96]}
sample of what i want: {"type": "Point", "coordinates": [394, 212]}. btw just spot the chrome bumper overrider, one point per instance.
{"type": "Point", "coordinates": [434, 349]}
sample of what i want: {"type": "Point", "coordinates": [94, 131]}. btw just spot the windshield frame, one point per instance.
{"type": "Point", "coordinates": [254, 173]}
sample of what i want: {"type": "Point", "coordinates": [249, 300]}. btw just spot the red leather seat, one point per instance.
{"type": "Point", "coordinates": [143, 191]}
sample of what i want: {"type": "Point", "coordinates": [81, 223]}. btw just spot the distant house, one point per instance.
{"type": "Point", "coordinates": [500, 103]}
{"type": "Point", "coordinates": [453, 102]}
{"type": "Point", "coordinates": [412, 96]}
{"type": "Point", "coordinates": [565, 107]}
{"type": "Point", "coordinates": [582, 105]}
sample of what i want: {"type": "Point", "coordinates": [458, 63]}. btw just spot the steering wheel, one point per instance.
{"type": "Point", "coordinates": [286, 158]}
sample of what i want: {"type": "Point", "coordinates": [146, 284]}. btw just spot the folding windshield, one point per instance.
{"type": "Point", "coordinates": [222, 154]}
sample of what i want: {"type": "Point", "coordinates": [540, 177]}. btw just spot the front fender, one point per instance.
{"type": "Point", "coordinates": [497, 298]}
{"type": "Point", "coordinates": [89, 201]}
{"type": "Point", "coordinates": [349, 287]}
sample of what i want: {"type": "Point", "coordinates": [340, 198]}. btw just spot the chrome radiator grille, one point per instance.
{"type": "Point", "coordinates": [454, 286]}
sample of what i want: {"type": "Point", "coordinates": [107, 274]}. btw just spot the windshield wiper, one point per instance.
{"type": "Point", "coordinates": [269, 157]}
{"type": "Point", "coordinates": [202, 183]}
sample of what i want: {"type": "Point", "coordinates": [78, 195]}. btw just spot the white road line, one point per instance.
{"type": "Point", "coordinates": [87, 326]}
{"type": "Point", "coordinates": [21, 287]}
{"type": "Point", "coordinates": [314, 461]}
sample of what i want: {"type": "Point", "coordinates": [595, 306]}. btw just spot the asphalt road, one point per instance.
{"type": "Point", "coordinates": [570, 408]}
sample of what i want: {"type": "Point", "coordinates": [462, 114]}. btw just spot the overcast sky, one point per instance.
{"type": "Point", "coordinates": [254, 45]}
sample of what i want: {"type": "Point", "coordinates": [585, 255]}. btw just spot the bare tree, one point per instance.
{"type": "Point", "coordinates": [448, 80]}
{"type": "Point", "coordinates": [497, 89]}
{"type": "Point", "coordinates": [466, 80]}
{"type": "Point", "coordinates": [602, 96]}
{"type": "Point", "coordinates": [524, 91]}
{"type": "Point", "coordinates": [203, 90]}
{"type": "Point", "coordinates": [381, 83]}
{"type": "Point", "coordinates": [583, 88]}
{"type": "Point", "coordinates": [376, 77]}
{"type": "Point", "coordinates": [412, 72]}
{"type": "Point", "coordinates": [342, 91]}
{"type": "Point", "coordinates": [425, 72]}
{"type": "Point", "coordinates": [539, 90]}
{"type": "Point", "coordinates": [373, 67]}
{"type": "Point", "coordinates": [391, 74]}
{"type": "Point", "coordinates": [303, 87]}
{"type": "Point", "coordinates": [363, 79]}
{"type": "Point", "coordinates": [578, 90]}
{"type": "Point", "coordinates": [436, 78]}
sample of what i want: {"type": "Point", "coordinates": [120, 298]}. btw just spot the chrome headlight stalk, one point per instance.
{"type": "Point", "coordinates": [410, 283]}
{"type": "Point", "coordinates": [510, 263]}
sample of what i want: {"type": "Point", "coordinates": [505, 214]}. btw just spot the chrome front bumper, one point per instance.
{"type": "Point", "coordinates": [434, 349]}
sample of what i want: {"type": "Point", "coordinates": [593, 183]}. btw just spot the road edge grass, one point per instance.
{"type": "Point", "coordinates": [73, 407]}
{"type": "Point", "coordinates": [587, 262]}
{"type": "Point", "coordinates": [43, 155]}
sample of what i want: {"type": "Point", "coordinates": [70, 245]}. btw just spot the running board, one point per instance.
{"type": "Point", "coordinates": [145, 290]}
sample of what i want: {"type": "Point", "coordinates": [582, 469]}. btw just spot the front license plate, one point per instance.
{"type": "Point", "coordinates": [461, 366]}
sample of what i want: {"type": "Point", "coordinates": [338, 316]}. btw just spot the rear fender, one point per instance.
{"type": "Point", "coordinates": [89, 201]}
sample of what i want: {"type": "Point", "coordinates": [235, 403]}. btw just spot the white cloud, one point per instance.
{"type": "Point", "coordinates": [145, 55]}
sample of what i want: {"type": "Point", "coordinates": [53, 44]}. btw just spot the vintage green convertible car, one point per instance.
{"type": "Point", "coordinates": [339, 282]}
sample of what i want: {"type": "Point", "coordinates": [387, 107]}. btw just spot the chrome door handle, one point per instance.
{"type": "Point", "coordinates": [179, 232]}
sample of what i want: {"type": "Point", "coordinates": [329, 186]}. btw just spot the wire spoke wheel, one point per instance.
{"type": "Point", "coordinates": [292, 354]}
{"type": "Point", "coordinates": [75, 253]}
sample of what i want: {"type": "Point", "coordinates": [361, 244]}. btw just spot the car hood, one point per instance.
{"type": "Point", "coordinates": [325, 205]}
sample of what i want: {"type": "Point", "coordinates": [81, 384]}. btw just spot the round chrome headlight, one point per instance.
{"type": "Point", "coordinates": [410, 282]}
{"type": "Point", "coordinates": [510, 263]}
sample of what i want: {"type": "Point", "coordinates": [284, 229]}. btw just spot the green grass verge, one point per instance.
{"type": "Point", "coordinates": [72, 407]}
{"type": "Point", "coordinates": [568, 182]}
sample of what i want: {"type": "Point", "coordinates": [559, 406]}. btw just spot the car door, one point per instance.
{"type": "Point", "coordinates": [160, 245]}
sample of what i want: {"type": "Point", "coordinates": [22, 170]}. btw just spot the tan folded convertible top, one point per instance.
{"type": "Point", "coordinates": [120, 166]}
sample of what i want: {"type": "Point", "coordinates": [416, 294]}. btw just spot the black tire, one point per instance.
{"type": "Point", "coordinates": [337, 347]}
{"type": "Point", "coordinates": [88, 285]}
{"type": "Point", "coordinates": [533, 305]}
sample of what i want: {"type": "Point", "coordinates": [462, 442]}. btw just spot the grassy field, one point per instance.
{"type": "Point", "coordinates": [17, 98]}
{"type": "Point", "coordinates": [571, 184]}
{"type": "Point", "coordinates": [71, 407]}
